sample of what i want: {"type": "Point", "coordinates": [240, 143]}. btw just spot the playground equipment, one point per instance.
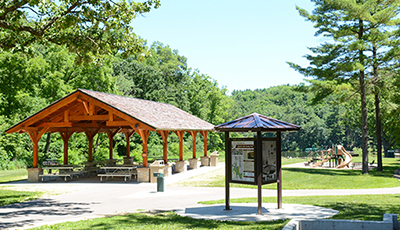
{"type": "Point", "coordinates": [342, 152]}
{"type": "Point", "coordinates": [337, 157]}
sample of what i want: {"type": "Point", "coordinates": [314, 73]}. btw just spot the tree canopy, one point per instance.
{"type": "Point", "coordinates": [91, 27]}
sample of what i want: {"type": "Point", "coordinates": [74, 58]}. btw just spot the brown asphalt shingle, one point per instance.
{"type": "Point", "coordinates": [161, 116]}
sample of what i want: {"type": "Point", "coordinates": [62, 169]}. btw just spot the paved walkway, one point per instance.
{"type": "Point", "coordinates": [99, 199]}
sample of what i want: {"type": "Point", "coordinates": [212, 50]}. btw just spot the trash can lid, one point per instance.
{"type": "Point", "coordinates": [157, 162]}
{"type": "Point", "coordinates": [158, 174]}
{"type": "Point", "coordinates": [214, 153]}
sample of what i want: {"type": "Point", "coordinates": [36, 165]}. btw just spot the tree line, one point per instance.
{"type": "Point", "coordinates": [48, 49]}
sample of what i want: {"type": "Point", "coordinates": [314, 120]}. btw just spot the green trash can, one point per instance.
{"type": "Point", "coordinates": [160, 181]}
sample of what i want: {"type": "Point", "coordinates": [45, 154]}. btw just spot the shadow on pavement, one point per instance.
{"type": "Point", "coordinates": [39, 208]}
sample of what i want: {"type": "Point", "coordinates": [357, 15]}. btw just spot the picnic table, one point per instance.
{"type": "Point", "coordinates": [118, 171]}
{"type": "Point", "coordinates": [66, 172]}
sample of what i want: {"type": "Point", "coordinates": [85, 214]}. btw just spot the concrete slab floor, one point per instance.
{"type": "Point", "coordinates": [248, 212]}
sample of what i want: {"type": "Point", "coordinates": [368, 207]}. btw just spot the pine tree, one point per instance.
{"type": "Point", "coordinates": [360, 34]}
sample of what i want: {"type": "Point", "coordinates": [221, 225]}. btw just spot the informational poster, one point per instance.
{"type": "Point", "coordinates": [269, 161]}
{"type": "Point", "coordinates": [243, 161]}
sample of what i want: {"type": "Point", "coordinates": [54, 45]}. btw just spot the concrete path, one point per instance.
{"type": "Point", "coordinates": [99, 199]}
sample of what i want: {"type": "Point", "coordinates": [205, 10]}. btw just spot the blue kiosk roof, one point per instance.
{"type": "Point", "coordinates": [256, 122]}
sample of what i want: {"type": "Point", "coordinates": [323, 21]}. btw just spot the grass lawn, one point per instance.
{"type": "Point", "coordinates": [11, 196]}
{"type": "Point", "coordinates": [352, 207]}
{"type": "Point", "coordinates": [313, 178]}
{"type": "Point", "coordinates": [162, 220]}
{"type": "Point", "coordinates": [13, 175]}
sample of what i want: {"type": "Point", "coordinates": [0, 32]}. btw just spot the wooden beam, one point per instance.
{"type": "Point", "coordinates": [118, 123]}
{"type": "Point", "coordinates": [66, 113]}
{"type": "Point", "coordinates": [87, 125]}
{"type": "Point", "coordinates": [180, 134]}
{"type": "Point", "coordinates": [85, 105]}
{"type": "Point", "coordinates": [110, 116]}
{"type": "Point", "coordinates": [204, 134]}
{"type": "Point", "coordinates": [193, 134]}
{"type": "Point", "coordinates": [44, 113]}
{"type": "Point", "coordinates": [91, 109]}
{"type": "Point", "coordinates": [89, 118]}
{"type": "Point", "coordinates": [164, 134]}
{"type": "Point", "coordinates": [56, 124]}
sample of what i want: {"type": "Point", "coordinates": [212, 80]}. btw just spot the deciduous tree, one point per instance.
{"type": "Point", "coordinates": [87, 27]}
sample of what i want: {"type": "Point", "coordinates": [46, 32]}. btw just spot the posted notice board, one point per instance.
{"type": "Point", "coordinates": [269, 159]}
{"type": "Point", "coordinates": [242, 159]}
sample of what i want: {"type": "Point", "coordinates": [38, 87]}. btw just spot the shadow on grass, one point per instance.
{"type": "Point", "coordinates": [170, 220]}
{"type": "Point", "coordinates": [353, 207]}
{"type": "Point", "coordinates": [388, 171]}
{"type": "Point", "coordinates": [364, 211]}
{"type": "Point", "coordinates": [11, 181]}
{"type": "Point", "coordinates": [11, 199]}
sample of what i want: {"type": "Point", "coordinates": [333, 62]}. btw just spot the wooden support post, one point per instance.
{"type": "Point", "coordinates": [164, 134]}
{"type": "Point", "coordinates": [227, 165]}
{"type": "Point", "coordinates": [90, 135]}
{"type": "Point", "coordinates": [128, 143]}
{"type": "Point", "coordinates": [180, 134]}
{"type": "Point", "coordinates": [65, 137]}
{"type": "Point", "coordinates": [144, 134]}
{"type": "Point", "coordinates": [35, 154]}
{"type": "Point", "coordinates": [259, 172]}
{"type": "Point", "coordinates": [279, 168]}
{"type": "Point", "coordinates": [111, 135]}
{"type": "Point", "coordinates": [193, 134]}
{"type": "Point", "coordinates": [204, 134]}
{"type": "Point", "coordinates": [35, 137]}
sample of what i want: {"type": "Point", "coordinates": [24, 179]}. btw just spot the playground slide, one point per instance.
{"type": "Point", "coordinates": [321, 162]}
{"type": "Point", "coordinates": [347, 160]}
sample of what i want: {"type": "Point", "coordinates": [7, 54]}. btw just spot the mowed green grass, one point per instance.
{"type": "Point", "coordinates": [162, 220]}
{"type": "Point", "coordinates": [8, 196]}
{"type": "Point", "coordinates": [352, 207]}
{"type": "Point", "coordinates": [316, 178]}
{"type": "Point", "coordinates": [13, 175]}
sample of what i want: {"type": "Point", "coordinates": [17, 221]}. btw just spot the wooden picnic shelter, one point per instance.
{"type": "Point", "coordinates": [94, 112]}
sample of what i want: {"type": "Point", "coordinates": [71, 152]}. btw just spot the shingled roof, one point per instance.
{"type": "Point", "coordinates": [158, 115]}
{"type": "Point", "coordinates": [153, 115]}
{"type": "Point", "coordinates": [256, 122]}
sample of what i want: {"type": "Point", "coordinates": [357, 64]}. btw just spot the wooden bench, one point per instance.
{"type": "Point", "coordinates": [67, 177]}
{"type": "Point", "coordinates": [66, 172]}
{"type": "Point", "coordinates": [118, 171]}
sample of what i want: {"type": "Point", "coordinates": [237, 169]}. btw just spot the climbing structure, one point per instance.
{"type": "Point", "coordinates": [338, 156]}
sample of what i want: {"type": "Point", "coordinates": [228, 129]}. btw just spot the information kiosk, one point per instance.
{"type": "Point", "coordinates": [254, 160]}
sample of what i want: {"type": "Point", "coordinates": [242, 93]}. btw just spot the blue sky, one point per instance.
{"type": "Point", "coordinates": [240, 44]}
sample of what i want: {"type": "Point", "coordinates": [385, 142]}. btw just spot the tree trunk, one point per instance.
{"type": "Point", "coordinates": [377, 110]}
{"type": "Point", "coordinates": [364, 125]}
{"type": "Point", "coordinates": [364, 128]}
{"type": "Point", "coordinates": [378, 131]}
{"type": "Point", "coordinates": [47, 146]}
